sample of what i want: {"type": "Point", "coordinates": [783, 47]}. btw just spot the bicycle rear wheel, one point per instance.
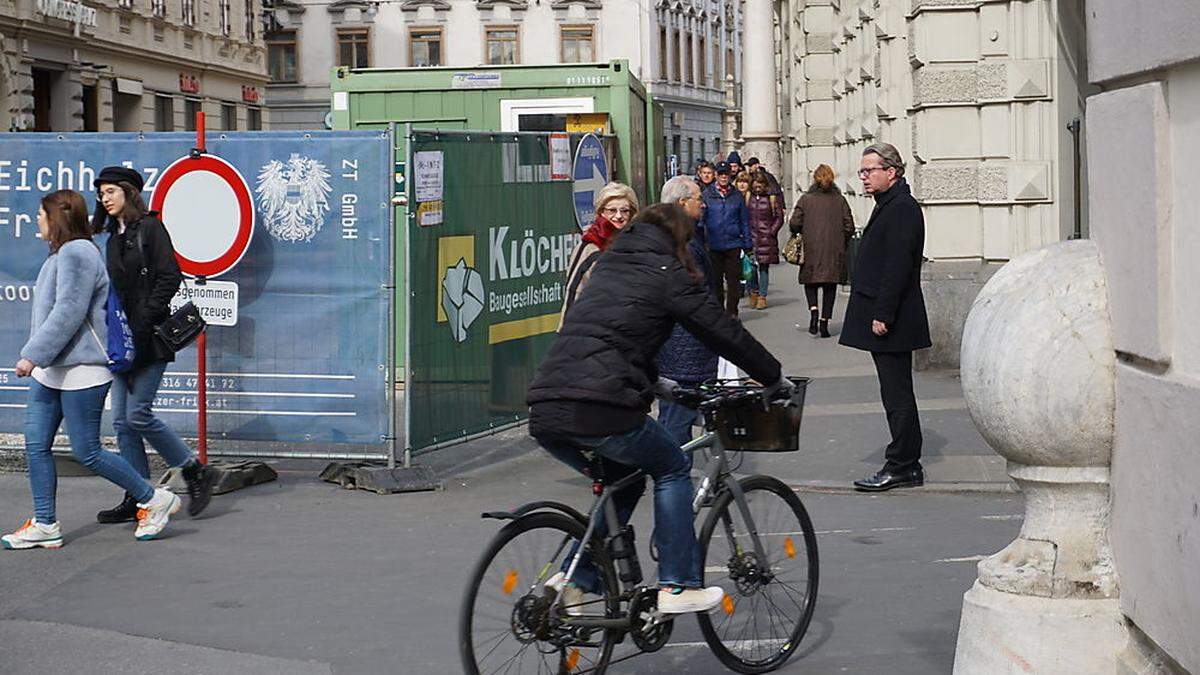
{"type": "Point", "coordinates": [505, 625]}
{"type": "Point", "coordinates": [768, 603]}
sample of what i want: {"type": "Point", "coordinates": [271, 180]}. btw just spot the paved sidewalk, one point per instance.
{"type": "Point", "coordinates": [844, 431]}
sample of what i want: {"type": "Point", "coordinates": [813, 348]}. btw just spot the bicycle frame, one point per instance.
{"type": "Point", "coordinates": [716, 477]}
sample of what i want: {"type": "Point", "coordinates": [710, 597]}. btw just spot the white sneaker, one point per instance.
{"type": "Point", "coordinates": [33, 535]}
{"type": "Point", "coordinates": [683, 601]}
{"type": "Point", "coordinates": [152, 516]}
{"type": "Point", "coordinates": [572, 595]}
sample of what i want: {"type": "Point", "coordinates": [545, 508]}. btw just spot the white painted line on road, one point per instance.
{"type": "Point", "coordinates": [1008, 516]}
{"type": "Point", "coordinates": [970, 558]}
{"type": "Point", "coordinates": [791, 534]}
{"type": "Point", "coordinates": [743, 644]}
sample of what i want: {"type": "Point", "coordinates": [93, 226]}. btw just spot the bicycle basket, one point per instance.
{"type": "Point", "coordinates": [747, 426]}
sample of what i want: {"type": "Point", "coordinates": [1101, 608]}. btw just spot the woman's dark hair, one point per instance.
{"type": "Point", "coordinates": [133, 211]}
{"type": "Point", "coordinates": [676, 222]}
{"type": "Point", "coordinates": [66, 214]}
{"type": "Point", "coordinates": [759, 178]}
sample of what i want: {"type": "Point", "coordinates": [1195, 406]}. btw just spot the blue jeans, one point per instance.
{"type": "Point", "coordinates": [761, 280]}
{"type": "Point", "coordinates": [652, 449]}
{"type": "Point", "coordinates": [46, 410]}
{"type": "Point", "coordinates": [135, 423]}
{"type": "Point", "coordinates": [677, 419]}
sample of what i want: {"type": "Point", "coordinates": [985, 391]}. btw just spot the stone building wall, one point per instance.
{"type": "Point", "coordinates": [1144, 139]}
{"type": "Point", "coordinates": [976, 94]}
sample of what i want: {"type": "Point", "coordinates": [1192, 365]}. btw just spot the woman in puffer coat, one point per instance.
{"type": "Point", "coordinates": [766, 219]}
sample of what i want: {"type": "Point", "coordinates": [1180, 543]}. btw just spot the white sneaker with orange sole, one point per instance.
{"type": "Point", "coordinates": [152, 516]}
{"type": "Point", "coordinates": [33, 535]}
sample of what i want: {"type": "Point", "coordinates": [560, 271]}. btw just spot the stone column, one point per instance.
{"type": "Point", "coordinates": [1038, 373]}
{"type": "Point", "coordinates": [760, 104]}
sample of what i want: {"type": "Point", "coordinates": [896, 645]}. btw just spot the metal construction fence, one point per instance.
{"type": "Point", "coordinates": [306, 370]}
{"type": "Point", "coordinates": [491, 226]}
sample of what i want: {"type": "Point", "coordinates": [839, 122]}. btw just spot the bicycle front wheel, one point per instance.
{"type": "Point", "coordinates": [506, 624]}
{"type": "Point", "coordinates": [769, 599]}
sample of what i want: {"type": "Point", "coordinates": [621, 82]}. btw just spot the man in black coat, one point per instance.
{"type": "Point", "coordinates": [886, 314]}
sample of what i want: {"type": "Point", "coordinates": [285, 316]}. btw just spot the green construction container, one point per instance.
{"type": "Point", "coordinates": [502, 99]}
{"type": "Point", "coordinates": [512, 98]}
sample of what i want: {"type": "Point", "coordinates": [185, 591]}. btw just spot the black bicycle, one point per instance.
{"type": "Point", "coordinates": [757, 542]}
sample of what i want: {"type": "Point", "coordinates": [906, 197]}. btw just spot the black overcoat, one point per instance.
{"type": "Point", "coordinates": [887, 277]}
{"type": "Point", "coordinates": [145, 280]}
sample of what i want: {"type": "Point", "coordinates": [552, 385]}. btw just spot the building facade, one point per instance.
{"type": "Point", "coordinates": [683, 50]}
{"type": "Point", "coordinates": [131, 65]}
{"type": "Point", "coordinates": [984, 98]}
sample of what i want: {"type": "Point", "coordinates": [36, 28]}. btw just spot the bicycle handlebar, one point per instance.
{"type": "Point", "coordinates": [711, 395]}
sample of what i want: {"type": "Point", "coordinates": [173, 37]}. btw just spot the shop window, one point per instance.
{"type": "Point", "coordinates": [503, 46]}
{"type": "Point", "coordinates": [577, 44]}
{"type": "Point", "coordinates": [164, 113]}
{"type": "Point", "coordinates": [229, 117]}
{"type": "Point", "coordinates": [281, 56]}
{"type": "Point", "coordinates": [191, 106]}
{"type": "Point", "coordinates": [425, 47]}
{"type": "Point", "coordinates": [254, 119]}
{"type": "Point", "coordinates": [354, 48]}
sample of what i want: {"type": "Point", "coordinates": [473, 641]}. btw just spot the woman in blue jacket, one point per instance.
{"type": "Point", "coordinates": [727, 230]}
{"type": "Point", "coordinates": [67, 362]}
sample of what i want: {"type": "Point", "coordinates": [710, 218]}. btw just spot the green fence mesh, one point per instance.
{"type": "Point", "coordinates": [491, 230]}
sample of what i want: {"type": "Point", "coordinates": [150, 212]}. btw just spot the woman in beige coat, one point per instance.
{"type": "Point", "coordinates": [823, 217]}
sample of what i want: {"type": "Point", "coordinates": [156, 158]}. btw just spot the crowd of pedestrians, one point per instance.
{"type": "Point", "coordinates": [72, 369]}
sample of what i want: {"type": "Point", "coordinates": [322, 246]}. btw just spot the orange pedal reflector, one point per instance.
{"type": "Point", "coordinates": [572, 659]}
{"type": "Point", "coordinates": [510, 582]}
{"type": "Point", "coordinates": [789, 548]}
{"type": "Point", "coordinates": [727, 605]}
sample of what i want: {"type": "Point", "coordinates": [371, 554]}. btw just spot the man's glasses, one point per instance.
{"type": "Point", "coordinates": [863, 173]}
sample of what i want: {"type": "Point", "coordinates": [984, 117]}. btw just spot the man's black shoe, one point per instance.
{"type": "Point", "coordinates": [200, 479]}
{"type": "Point", "coordinates": [125, 512]}
{"type": "Point", "coordinates": [886, 480]}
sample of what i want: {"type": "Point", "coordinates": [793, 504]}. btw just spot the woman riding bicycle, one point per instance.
{"type": "Point", "coordinates": [593, 391]}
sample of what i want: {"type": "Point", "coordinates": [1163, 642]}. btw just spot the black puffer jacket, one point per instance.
{"type": "Point", "coordinates": [146, 296]}
{"type": "Point", "coordinates": [598, 377]}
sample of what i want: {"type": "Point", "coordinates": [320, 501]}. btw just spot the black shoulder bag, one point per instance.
{"type": "Point", "coordinates": [184, 325]}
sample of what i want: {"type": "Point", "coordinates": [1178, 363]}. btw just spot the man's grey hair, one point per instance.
{"type": "Point", "coordinates": [889, 154]}
{"type": "Point", "coordinates": [678, 188]}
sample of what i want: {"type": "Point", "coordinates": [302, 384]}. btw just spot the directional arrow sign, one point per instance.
{"type": "Point", "coordinates": [590, 173]}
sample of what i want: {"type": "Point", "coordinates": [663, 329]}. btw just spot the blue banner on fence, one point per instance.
{"type": "Point", "coordinates": [307, 360]}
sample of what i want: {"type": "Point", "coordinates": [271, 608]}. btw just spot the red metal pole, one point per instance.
{"type": "Point", "coordinates": [202, 350]}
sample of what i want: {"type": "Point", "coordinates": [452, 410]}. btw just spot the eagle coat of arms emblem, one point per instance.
{"type": "Point", "coordinates": [293, 197]}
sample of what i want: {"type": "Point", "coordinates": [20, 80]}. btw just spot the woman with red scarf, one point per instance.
{"type": "Point", "coordinates": [615, 207]}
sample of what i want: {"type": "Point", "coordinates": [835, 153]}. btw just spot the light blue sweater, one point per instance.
{"type": "Point", "coordinates": [72, 289]}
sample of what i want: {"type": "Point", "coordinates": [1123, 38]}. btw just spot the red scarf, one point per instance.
{"type": "Point", "coordinates": [601, 232]}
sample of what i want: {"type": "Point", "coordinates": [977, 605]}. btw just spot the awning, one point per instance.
{"type": "Point", "coordinates": [128, 86]}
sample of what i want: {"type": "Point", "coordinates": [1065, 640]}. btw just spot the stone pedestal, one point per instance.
{"type": "Point", "coordinates": [1038, 372]}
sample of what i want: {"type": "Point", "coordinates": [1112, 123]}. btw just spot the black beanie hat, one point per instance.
{"type": "Point", "coordinates": [119, 174]}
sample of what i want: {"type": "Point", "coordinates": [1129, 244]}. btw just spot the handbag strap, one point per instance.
{"type": "Point", "coordinates": [103, 349]}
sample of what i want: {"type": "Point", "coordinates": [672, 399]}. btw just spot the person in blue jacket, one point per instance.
{"type": "Point", "coordinates": [727, 230]}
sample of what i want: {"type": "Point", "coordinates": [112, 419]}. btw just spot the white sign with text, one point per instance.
{"type": "Point", "coordinates": [216, 300]}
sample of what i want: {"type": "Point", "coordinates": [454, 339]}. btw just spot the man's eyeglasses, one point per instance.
{"type": "Point", "coordinates": [863, 173]}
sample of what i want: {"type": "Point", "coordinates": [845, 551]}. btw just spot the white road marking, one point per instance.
{"type": "Point", "coordinates": [970, 558]}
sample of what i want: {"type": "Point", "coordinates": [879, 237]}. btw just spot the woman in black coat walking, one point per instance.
{"type": "Point", "coordinates": [886, 314]}
{"type": "Point", "coordinates": [142, 267]}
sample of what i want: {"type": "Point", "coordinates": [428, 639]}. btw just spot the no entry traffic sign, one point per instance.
{"type": "Point", "coordinates": [206, 206]}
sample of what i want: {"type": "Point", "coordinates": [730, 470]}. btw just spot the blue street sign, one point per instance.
{"type": "Point", "coordinates": [590, 174]}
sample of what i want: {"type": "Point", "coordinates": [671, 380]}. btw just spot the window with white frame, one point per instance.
{"type": "Point", "coordinates": [223, 7]}
{"type": "Point", "coordinates": [158, 8]}
{"type": "Point", "coordinates": [187, 12]}
{"type": "Point", "coordinates": [251, 17]}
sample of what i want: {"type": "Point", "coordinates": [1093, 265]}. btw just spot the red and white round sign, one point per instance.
{"type": "Point", "coordinates": [206, 205]}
